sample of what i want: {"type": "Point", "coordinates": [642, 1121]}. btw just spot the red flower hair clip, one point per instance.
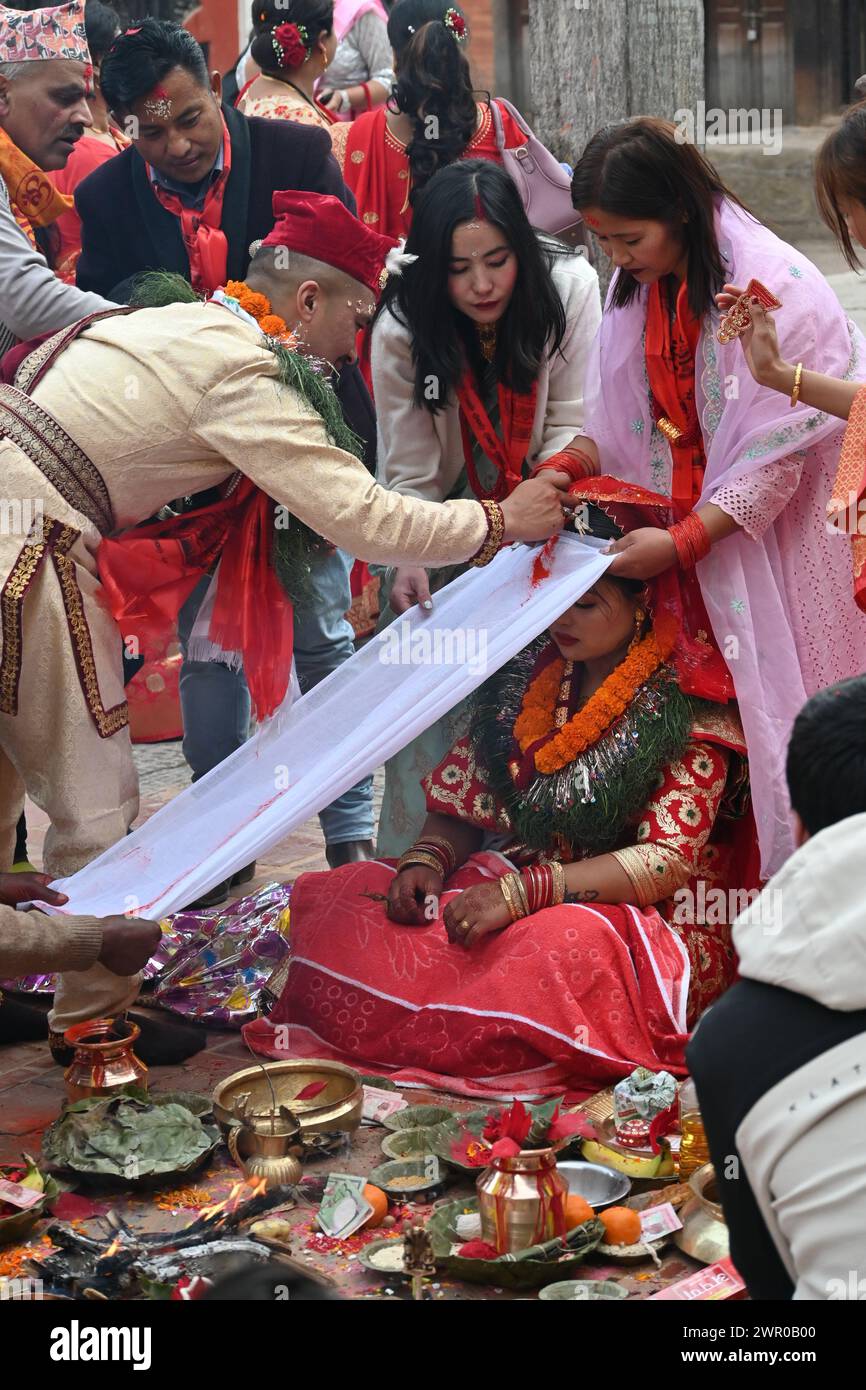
{"type": "Point", "coordinates": [291, 44]}
{"type": "Point", "coordinates": [457, 24]}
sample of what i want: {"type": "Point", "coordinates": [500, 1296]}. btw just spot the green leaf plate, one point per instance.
{"type": "Point", "coordinates": [508, 1272]}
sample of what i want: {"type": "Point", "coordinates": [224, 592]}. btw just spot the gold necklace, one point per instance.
{"type": "Point", "coordinates": [487, 340]}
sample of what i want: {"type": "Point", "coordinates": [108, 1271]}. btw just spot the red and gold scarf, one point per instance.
{"type": "Point", "coordinates": [671, 344]}
{"type": "Point", "coordinates": [508, 453]}
{"type": "Point", "coordinates": [35, 201]}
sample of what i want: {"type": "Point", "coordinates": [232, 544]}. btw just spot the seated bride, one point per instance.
{"type": "Point", "coordinates": [549, 930]}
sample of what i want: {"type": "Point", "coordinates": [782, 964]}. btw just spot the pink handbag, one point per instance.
{"type": "Point", "coordinates": [542, 182]}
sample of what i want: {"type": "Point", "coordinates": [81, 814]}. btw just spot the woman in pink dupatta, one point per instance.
{"type": "Point", "coordinates": [749, 477]}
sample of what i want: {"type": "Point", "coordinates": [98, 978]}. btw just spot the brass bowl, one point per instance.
{"type": "Point", "coordinates": [704, 1235]}
{"type": "Point", "coordinates": [337, 1108]}
{"type": "Point", "coordinates": [703, 1184]}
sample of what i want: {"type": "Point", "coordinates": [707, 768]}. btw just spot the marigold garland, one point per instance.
{"type": "Point", "coordinates": [258, 306]}
{"type": "Point", "coordinates": [538, 710]}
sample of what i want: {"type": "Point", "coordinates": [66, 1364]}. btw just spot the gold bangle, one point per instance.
{"type": "Point", "coordinates": [558, 882]}
{"type": "Point", "coordinates": [798, 375]}
{"type": "Point", "coordinates": [521, 893]}
{"type": "Point", "coordinates": [495, 534]}
{"type": "Point", "coordinates": [508, 893]}
{"type": "Point", "coordinates": [446, 847]}
{"type": "Point", "coordinates": [420, 859]}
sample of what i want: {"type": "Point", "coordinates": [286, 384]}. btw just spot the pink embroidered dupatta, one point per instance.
{"type": "Point", "coordinates": [781, 605]}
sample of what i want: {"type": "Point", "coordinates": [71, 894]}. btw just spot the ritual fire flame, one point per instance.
{"type": "Point", "coordinates": [85, 1264]}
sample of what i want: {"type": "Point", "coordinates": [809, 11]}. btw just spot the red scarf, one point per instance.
{"type": "Point", "coordinates": [205, 241]}
{"type": "Point", "coordinates": [508, 454]}
{"type": "Point", "coordinates": [150, 572]}
{"type": "Point", "coordinates": [670, 361]}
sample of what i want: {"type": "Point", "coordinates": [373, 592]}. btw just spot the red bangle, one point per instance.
{"type": "Point", "coordinates": [538, 880]}
{"type": "Point", "coordinates": [574, 462]}
{"type": "Point", "coordinates": [369, 100]}
{"type": "Point", "coordinates": [691, 539]}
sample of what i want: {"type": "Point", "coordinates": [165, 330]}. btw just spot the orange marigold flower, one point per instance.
{"type": "Point", "coordinates": [609, 703]}
{"type": "Point", "coordinates": [235, 288]}
{"type": "Point", "coordinates": [273, 325]}
{"type": "Point", "coordinates": [255, 304]}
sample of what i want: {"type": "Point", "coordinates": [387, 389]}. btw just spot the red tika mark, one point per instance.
{"type": "Point", "coordinates": [541, 563]}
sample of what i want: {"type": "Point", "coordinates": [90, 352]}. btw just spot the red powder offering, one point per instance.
{"type": "Point", "coordinates": [541, 563]}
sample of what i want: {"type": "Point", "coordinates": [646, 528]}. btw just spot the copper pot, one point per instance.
{"type": "Point", "coordinates": [522, 1200]}
{"type": "Point", "coordinates": [104, 1060]}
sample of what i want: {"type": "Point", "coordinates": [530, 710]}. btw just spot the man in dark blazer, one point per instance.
{"type": "Point", "coordinates": [192, 194]}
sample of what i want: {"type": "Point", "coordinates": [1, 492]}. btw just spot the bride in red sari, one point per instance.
{"type": "Point", "coordinates": [549, 929]}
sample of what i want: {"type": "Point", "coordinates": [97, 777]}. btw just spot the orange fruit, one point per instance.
{"type": "Point", "coordinates": [577, 1210]}
{"type": "Point", "coordinates": [379, 1201]}
{"type": "Point", "coordinates": [621, 1226]}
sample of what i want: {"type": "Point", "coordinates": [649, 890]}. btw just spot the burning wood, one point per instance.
{"type": "Point", "coordinates": [84, 1265]}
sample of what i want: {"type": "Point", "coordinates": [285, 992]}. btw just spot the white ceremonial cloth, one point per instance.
{"type": "Point", "coordinates": [313, 750]}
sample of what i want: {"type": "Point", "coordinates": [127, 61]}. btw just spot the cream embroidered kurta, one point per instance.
{"type": "Point", "coordinates": [172, 401]}
{"type": "Point", "coordinates": [164, 402]}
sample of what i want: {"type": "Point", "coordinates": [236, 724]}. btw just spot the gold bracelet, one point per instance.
{"type": "Point", "coordinates": [521, 893]}
{"type": "Point", "coordinates": [420, 859]}
{"type": "Point", "coordinates": [446, 847]}
{"type": "Point", "coordinates": [558, 882]}
{"type": "Point", "coordinates": [495, 533]}
{"type": "Point", "coordinates": [795, 394]}
{"type": "Point", "coordinates": [509, 892]}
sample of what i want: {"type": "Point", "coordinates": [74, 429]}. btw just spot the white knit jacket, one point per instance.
{"type": "Point", "coordinates": [422, 454]}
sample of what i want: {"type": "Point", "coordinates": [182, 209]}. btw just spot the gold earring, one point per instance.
{"type": "Point", "coordinates": [639, 620]}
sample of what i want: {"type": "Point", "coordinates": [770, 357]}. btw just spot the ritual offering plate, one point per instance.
{"type": "Point", "coordinates": [190, 1100]}
{"type": "Point", "coordinates": [409, 1143]}
{"type": "Point", "coordinates": [410, 1178]}
{"type": "Point", "coordinates": [418, 1117]}
{"type": "Point", "coordinates": [633, 1254]}
{"type": "Point", "coordinates": [111, 1139]}
{"type": "Point", "coordinates": [30, 1185]}
{"type": "Point", "coordinates": [323, 1096]}
{"type": "Point", "coordinates": [601, 1187]}
{"type": "Point", "coordinates": [385, 1258]}
{"type": "Point", "coordinates": [529, 1269]}
{"type": "Point", "coordinates": [582, 1291]}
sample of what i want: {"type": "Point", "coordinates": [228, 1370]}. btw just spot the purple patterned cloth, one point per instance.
{"type": "Point", "coordinates": [212, 966]}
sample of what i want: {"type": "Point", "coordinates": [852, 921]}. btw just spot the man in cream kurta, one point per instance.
{"type": "Point", "coordinates": [162, 402]}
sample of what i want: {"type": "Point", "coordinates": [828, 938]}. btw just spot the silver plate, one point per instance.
{"type": "Point", "coordinates": [601, 1187]}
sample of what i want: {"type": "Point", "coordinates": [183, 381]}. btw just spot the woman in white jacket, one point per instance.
{"type": "Point", "coordinates": [478, 360]}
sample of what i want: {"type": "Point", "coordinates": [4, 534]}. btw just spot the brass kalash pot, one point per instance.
{"type": "Point", "coordinates": [519, 1199]}
{"type": "Point", "coordinates": [261, 1143]}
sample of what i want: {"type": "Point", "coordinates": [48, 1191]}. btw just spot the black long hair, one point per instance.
{"type": "Point", "coordinates": [433, 87]}
{"type": "Point", "coordinates": [443, 339]}
{"type": "Point", "coordinates": [316, 17]}
{"type": "Point", "coordinates": [639, 168]}
{"type": "Point", "coordinates": [840, 173]}
{"type": "Point", "coordinates": [101, 25]}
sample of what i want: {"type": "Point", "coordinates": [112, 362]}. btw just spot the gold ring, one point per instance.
{"type": "Point", "coordinates": [463, 925]}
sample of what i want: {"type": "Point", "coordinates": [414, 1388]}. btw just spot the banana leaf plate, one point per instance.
{"type": "Point", "coordinates": [110, 1149]}
{"type": "Point", "coordinates": [17, 1227]}
{"type": "Point", "coordinates": [531, 1269]}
